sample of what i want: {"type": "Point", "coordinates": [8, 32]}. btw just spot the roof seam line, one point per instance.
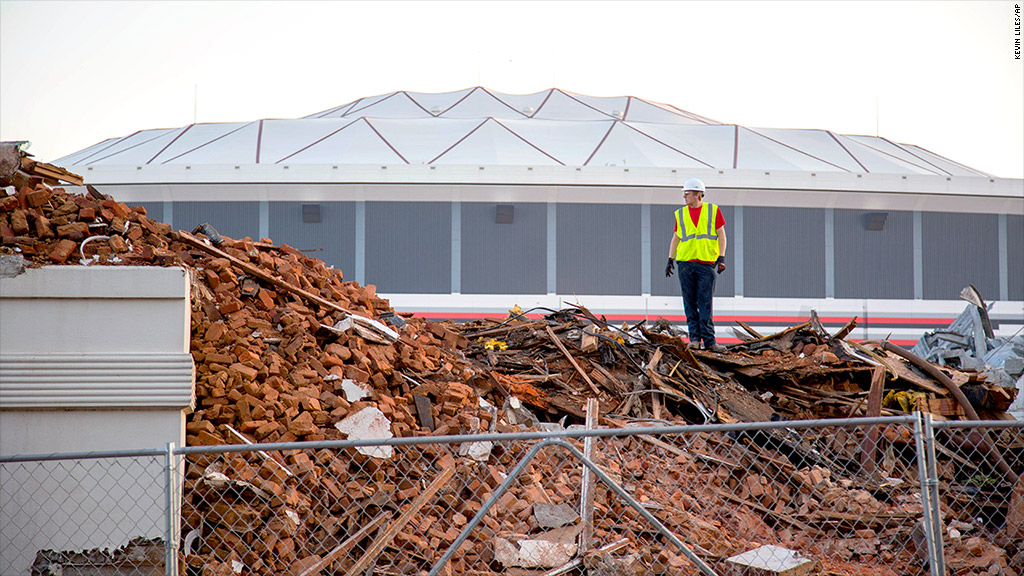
{"type": "Point", "coordinates": [114, 143]}
{"type": "Point", "coordinates": [457, 142]}
{"type": "Point", "coordinates": [308, 146]}
{"type": "Point", "coordinates": [669, 146]}
{"type": "Point", "coordinates": [537, 148]}
{"type": "Point", "coordinates": [855, 159]}
{"type": "Point", "coordinates": [175, 139]}
{"type": "Point", "coordinates": [599, 144]}
{"type": "Point", "coordinates": [210, 142]}
{"type": "Point", "coordinates": [385, 140]}
{"type": "Point", "coordinates": [795, 149]}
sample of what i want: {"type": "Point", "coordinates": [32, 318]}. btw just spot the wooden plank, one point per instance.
{"type": "Point", "coordinates": [652, 373]}
{"type": "Point", "coordinates": [749, 330]}
{"type": "Point", "coordinates": [870, 443]}
{"type": "Point", "coordinates": [388, 535]}
{"type": "Point", "coordinates": [345, 546]}
{"type": "Point", "coordinates": [558, 342]}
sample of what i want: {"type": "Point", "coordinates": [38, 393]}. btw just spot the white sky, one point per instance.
{"type": "Point", "coordinates": [943, 73]}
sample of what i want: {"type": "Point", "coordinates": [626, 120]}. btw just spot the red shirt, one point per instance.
{"type": "Point", "coordinates": [695, 218]}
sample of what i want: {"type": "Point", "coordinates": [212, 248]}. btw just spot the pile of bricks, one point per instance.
{"type": "Point", "coordinates": [274, 364]}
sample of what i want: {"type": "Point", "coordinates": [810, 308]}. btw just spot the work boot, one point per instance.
{"type": "Point", "coordinates": [694, 345]}
{"type": "Point", "coordinates": [717, 348]}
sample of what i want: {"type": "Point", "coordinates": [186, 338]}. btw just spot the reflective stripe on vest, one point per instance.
{"type": "Point", "coordinates": [700, 241]}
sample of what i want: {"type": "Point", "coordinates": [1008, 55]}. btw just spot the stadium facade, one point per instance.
{"type": "Point", "coordinates": [463, 204]}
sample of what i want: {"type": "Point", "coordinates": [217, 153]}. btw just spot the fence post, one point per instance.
{"type": "Point", "coordinates": [170, 490]}
{"type": "Point", "coordinates": [931, 517]}
{"type": "Point", "coordinates": [587, 488]}
{"type": "Point", "coordinates": [922, 475]}
{"type": "Point", "coordinates": [932, 479]}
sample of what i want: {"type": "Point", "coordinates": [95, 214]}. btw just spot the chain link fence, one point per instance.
{"type": "Point", "coordinates": [815, 497]}
{"type": "Point", "coordinates": [82, 513]}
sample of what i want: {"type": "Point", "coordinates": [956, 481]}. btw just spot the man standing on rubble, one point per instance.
{"type": "Point", "coordinates": [698, 251]}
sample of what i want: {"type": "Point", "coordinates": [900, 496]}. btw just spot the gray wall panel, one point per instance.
{"type": "Point", "coordinates": [874, 263]}
{"type": "Point", "coordinates": [508, 258]}
{"type": "Point", "coordinates": [598, 249]}
{"type": "Point", "coordinates": [232, 219]}
{"type": "Point", "coordinates": [1015, 256]}
{"type": "Point", "coordinates": [784, 252]}
{"type": "Point", "coordinates": [331, 240]}
{"type": "Point", "coordinates": [662, 227]}
{"type": "Point", "coordinates": [960, 249]}
{"type": "Point", "coordinates": [408, 246]}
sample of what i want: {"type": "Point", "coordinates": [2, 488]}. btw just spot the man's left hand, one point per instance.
{"type": "Point", "coordinates": [720, 264]}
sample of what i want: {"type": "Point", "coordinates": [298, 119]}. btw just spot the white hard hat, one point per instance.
{"type": "Point", "coordinates": [694, 184]}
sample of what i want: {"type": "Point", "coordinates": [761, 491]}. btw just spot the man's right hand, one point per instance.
{"type": "Point", "coordinates": [670, 267]}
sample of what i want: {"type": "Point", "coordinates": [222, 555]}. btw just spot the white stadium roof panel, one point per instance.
{"type": "Point", "coordinates": [712, 146]}
{"type": "Point", "coordinates": [233, 143]}
{"type": "Point", "coordinates": [643, 111]}
{"type": "Point", "coordinates": [561, 106]}
{"type": "Point", "coordinates": [436, 104]}
{"type": "Point", "coordinates": [352, 107]}
{"type": "Point", "coordinates": [570, 142]}
{"type": "Point", "coordinates": [494, 144]}
{"type": "Point", "coordinates": [476, 126]}
{"type": "Point", "coordinates": [903, 153]}
{"type": "Point", "coordinates": [421, 140]}
{"type": "Point", "coordinates": [820, 143]}
{"type": "Point", "coordinates": [876, 160]}
{"type": "Point", "coordinates": [614, 106]}
{"type": "Point", "coordinates": [130, 145]}
{"type": "Point", "coordinates": [353, 142]}
{"type": "Point", "coordinates": [627, 147]}
{"type": "Point", "coordinates": [400, 105]}
{"type": "Point", "coordinates": [335, 112]}
{"type": "Point", "coordinates": [755, 151]}
{"type": "Point", "coordinates": [526, 104]}
{"type": "Point", "coordinates": [480, 103]}
{"type": "Point", "coordinates": [954, 168]}
{"type": "Point", "coordinates": [279, 139]}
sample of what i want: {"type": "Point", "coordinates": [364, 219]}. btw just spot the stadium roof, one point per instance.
{"type": "Point", "coordinates": [479, 127]}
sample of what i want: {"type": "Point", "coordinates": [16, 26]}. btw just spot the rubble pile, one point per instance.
{"type": "Point", "coordinates": [969, 343]}
{"type": "Point", "coordinates": [287, 350]}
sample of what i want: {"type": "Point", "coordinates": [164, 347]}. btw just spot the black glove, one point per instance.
{"type": "Point", "coordinates": [720, 264]}
{"type": "Point", "coordinates": [670, 267]}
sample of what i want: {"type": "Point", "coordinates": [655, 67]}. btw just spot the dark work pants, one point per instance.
{"type": "Point", "coordinates": [698, 284]}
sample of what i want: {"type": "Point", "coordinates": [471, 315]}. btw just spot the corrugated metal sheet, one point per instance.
{"type": "Point", "coordinates": [331, 240]}
{"type": "Point", "coordinates": [1015, 255]}
{"type": "Point", "coordinates": [783, 252]}
{"type": "Point", "coordinates": [408, 246]}
{"type": "Point", "coordinates": [874, 263]}
{"type": "Point", "coordinates": [232, 219]}
{"type": "Point", "coordinates": [598, 249]}
{"type": "Point", "coordinates": [508, 258]}
{"type": "Point", "coordinates": [662, 226]}
{"type": "Point", "coordinates": [960, 249]}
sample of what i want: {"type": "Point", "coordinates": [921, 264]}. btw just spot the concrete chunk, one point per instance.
{"type": "Point", "coordinates": [554, 515]}
{"type": "Point", "coordinates": [769, 560]}
{"type": "Point", "coordinates": [367, 424]}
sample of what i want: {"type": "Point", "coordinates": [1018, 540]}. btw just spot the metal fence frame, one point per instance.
{"type": "Point", "coordinates": [923, 427]}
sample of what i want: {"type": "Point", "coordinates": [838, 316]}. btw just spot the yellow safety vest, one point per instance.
{"type": "Point", "coordinates": [698, 242]}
